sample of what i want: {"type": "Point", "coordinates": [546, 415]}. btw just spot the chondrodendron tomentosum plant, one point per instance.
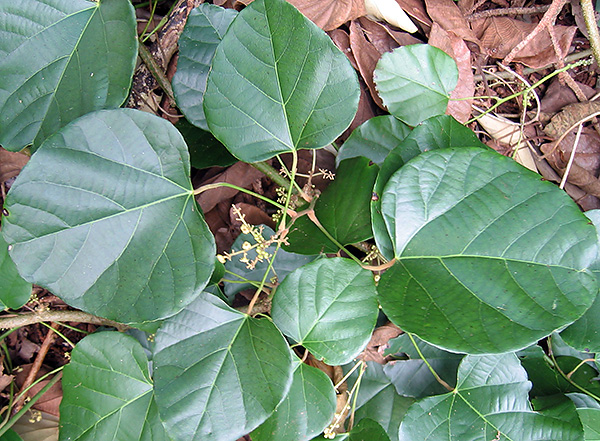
{"type": "Point", "coordinates": [479, 257]}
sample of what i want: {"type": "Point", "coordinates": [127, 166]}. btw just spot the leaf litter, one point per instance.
{"type": "Point", "coordinates": [478, 35]}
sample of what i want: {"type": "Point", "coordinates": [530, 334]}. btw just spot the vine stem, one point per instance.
{"type": "Point", "coordinates": [435, 374]}
{"type": "Point", "coordinates": [282, 227]}
{"type": "Point", "coordinates": [271, 173]}
{"type": "Point", "coordinates": [19, 320]}
{"type": "Point", "coordinates": [590, 23]}
{"type": "Point", "coordinates": [156, 71]}
{"type": "Point", "coordinates": [243, 190]}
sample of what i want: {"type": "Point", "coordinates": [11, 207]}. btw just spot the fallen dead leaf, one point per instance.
{"type": "Point", "coordinates": [383, 37]}
{"type": "Point", "coordinates": [330, 14]}
{"type": "Point", "coordinates": [571, 114]}
{"type": "Point", "coordinates": [560, 95]}
{"type": "Point", "coordinates": [11, 164]}
{"type": "Point", "coordinates": [450, 18]}
{"type": "Point", "coordinates": [342, 40]}
{"type": "Point", "coordinates": [379, 343]}
{"type": "Point", "coordinates": [50, 401]}
{"type": "Point", "coordinates": [416, 9]}
{"type": "Point", "coordinates": [454, 46]}
{"type": "Point", "coordinates": [499, 35]}
{"type": "Point", "coordinates": [367, 56]}
{"type": "Point", "coordinates": [390, 12]}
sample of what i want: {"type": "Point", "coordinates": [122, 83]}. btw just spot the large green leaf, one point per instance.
{"type": "Point", "coordinates": [342, 209]}
{"type": "Point", "coordinates": [490, 258]}
{"type": "Point", "coordinates": [374, 139]}
{"type": "Point", "coordinates": [278, 84]}
{"type": "Point", "coordinates": [14, 291]}
{"type": "Point", "coordinates": [329, 307]}
{"type": "Point", "coordinates": [411, 376]}
{"type": "Point", "coordinates": [489, 403]}
{"type": "Point", "coordinates": [437, 132]}
{"type": "Point", "coordinates": [589, 414]}
{"type": "Point", "coordinates": [107, 390]}
{"type": "Point", "coordinates": [218, 373]}
{"type": "Point", "coordinates": [584, 334]}
{"type": "Point", "coordinates": [203, 32]}
{"type": "Point", "coordinates": [60, 60]}
{"type": "Point", "coordinates": [415, 82]}
{"type": "Point", "coordinates": [112, 226]}
{"type": "Point", "coordinates": [239, 276]}
{"type": "Point", "coordinates": [306, 410]}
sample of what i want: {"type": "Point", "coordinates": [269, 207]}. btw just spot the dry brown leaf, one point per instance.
{"type": "Point", "coordinates": [366, 56]}
{"type": "Point", "coordinates": [11, 164]}
{"type": "Point", "coordinates": [416, 9]}
{"type": "Point", "coordinates": [390, 12]}
{"type": "Point", "coordinates": [447, 14]}
{"type": "Point", "coordinates": [454, 46]}
{"type": "Point", "coordinates": [342, 40]}
{"type": "Point", "coordinates": [48, 402]}
{"type": "Point", "coordinates": [570, 115]}
{"type": "Point", "coordinates": [330, 14]}
{"type": "Point", "coordinates": [379, 343]}
{"type": "Point", "coordinates": [240, 174]}
{"type": "Point", "coordinates": [560, 95]}
{"type": "Point", "coordinates": [383, 37]}
{"type": "Point", "coordinates": [499, 35]}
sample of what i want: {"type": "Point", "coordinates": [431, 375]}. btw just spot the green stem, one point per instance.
{"type": "Point", "coordinates": [243, 190]}
{"type": "Point", "coordinates": [271, 173]}
{"type": "Point", "coordinates": [156, 71]}
{"type": "Point", "coordinates": [332, 239]}
{"type": "Point", "coordinates": [31, 402]}
{"type": "Point", "coordinates": [435, 374]}
{"type": "Point", "coordinates": [500, 101]}
{"type": "Point", "coordinates": [592, 27]}
{"type": "Point", "coordinates": [20, 320]}
{"type": "Point", "coordinates": [60, 334]}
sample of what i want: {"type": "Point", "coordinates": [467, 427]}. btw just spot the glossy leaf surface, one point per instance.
{"type": "Point", "coordinates": [415, 82]}
{"type": "Point", "coordinates": [218, 373]}
{"type": "Point", "coordinates": [60, 60]}
{"type": "Point", "coordinates": [278, 84]}
{"type": "Point", "coordinates": [329, 307]}
{"type": "Point", "coordinates": [490, 258]}
{"type": "Point", "coordinates": [119, 178]}
{"type": "Point", "coordinates": [107, 390]}
{"type": "Point", "coordinates": [306, 410]}
{"type": "Point", "coordinates": [204, 30]}
{"type": "Point", "coordinates": [14, 290]}
{"type": "Point", "coordinates": [470, 413]}
{"type": "Point", "coordinates": [374, 139]}
{"type": "Point", "coordinates": [437, 132]}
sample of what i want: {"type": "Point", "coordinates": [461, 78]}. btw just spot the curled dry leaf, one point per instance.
{"type": "Point", "coordinates": [571, 114]}
{"type": "Point", "coordinates": [379, 343]}
{"type": "Point", "coordinates": [383, 37]}
{"type": "Point", "coordinates": [416, 9]}
{"type": "Point", "coordinates": [499, 35]}
{"type": "Point", "coordinates": [342, 40]}
{"type": "Point", "coordinates": [366, 55]}
{"type": "Point", "coordinates": [454, 46]}
{"type": "Point", "coordinates": [449, 17]}
{"type": "Point", "coordinates": [391, 12]}
{"type": "Point", "coordinates": [560, 95]}
{"type": "Point", "coordinates": [330, 14]}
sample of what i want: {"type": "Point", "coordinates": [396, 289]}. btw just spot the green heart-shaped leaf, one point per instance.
{"type": "Point", "coordinates": [203, 32]}
{"type": "Point", "coordinates": [306, 410]}
{"type": "Point", "coordinates": [490, 258]}
{"type": "Point", "coordinates": [108, 391]}
{"type": "Point", "coordinates": [14, 290]}
{"type": "Point", "coordinates": [437, 132]}
{"type": "Point", "coordinates": [218, 373]}
{"type": "Point", "coordinates": [112, 227]}
{"type": "Point", "coordinates": [60, 60]}
{"type": "Point", "coordinates": [278, 84]}
{"type": "Point", "coordinates": [329, 307]}
{"type": "Point", "coordinates": [415, 82]}
{"type": "Point", "coordinates": [469, 412]}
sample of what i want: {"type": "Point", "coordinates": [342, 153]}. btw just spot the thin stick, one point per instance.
{"type": "Point", "coordinates": [589, 17]}
{"type": "Point", "coordinates": [19, 320]}
{"type": "Point", "coordinates": [571, 158]}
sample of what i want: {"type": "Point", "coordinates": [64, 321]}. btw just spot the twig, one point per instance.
{"type": "Point", "coordinates": [507, 11]}
{"type": "Point", "coordinates": [590, 23]}
{"type": "Point", "coordinates": [35, 367]}
{"type": "Point", "coordinates": [571, 158]}
{"type": "Point", "coordinates": [545, 23]}
{"type": "Point", "coordinates": [156, 71]}
{"type": "Point", "coordinates": [271, 173]}
{"type": "Point", "coordinates": [19, 320]}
